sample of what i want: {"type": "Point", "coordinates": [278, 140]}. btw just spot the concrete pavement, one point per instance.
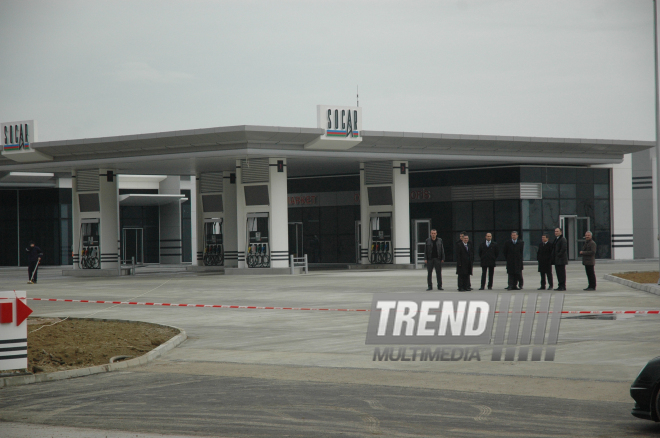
{"type": "Point", "coordinates": [263, 354]}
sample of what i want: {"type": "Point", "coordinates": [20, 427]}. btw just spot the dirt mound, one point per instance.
{"type": "Point", "coordinates": [55, 344]}
{"type": "Point", "coordinates": [639, 277]}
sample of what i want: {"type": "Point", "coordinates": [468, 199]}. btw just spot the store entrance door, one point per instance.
{"type": "Point", "coordinates": [132, 245]}
{"type": "Point", "coordinates": [296, 239]}
{"type": "Point", "coordinates": [421, 231]}
{"type": "Point", "coordinates": [574, 228]}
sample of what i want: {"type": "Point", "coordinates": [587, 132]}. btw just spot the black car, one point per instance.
{"type": "Point", "coordinates": [645, 390]}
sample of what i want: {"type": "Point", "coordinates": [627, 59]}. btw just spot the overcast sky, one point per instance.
{"type": "Point", "coordinates": [549, 68]}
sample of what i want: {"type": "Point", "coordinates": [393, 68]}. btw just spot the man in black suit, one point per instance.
{"type": "Point", "coordinates": [488, 252]}
{"type": "Point", "coordinates": [464, 257]}
{"type": "Point", "coordinates": [434, 256]}
{"type": "Point", "coordinates": [513, 253]}
{"type": "Point", "coordinates": [560, 258]}
{"type": "Point", "coordinates": [544, 257]}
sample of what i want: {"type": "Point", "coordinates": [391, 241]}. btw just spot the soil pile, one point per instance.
{"type": "Point", "coordinates": [640, 277]}
{"type": "Point", "coordinates": [55, 344]}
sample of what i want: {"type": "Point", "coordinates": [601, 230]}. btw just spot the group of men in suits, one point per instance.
{"type": "Point", "coordinates": [549, 254]}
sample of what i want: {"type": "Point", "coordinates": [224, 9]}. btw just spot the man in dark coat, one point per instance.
{"type": "Point", "coordinates": [488, 253]}
{"type": "Point", "coordinates": [513, 253]}
{"type": "Point", "coordinates": [464, 257]}
{"type": "Point", "coordinates": [560, 258]}
{"type": "Point", "coordinates": [588, 254]}
{"type": "Point", "coordinates": [34, 256]}
{"type": "Point", "coordinates": [434, 256]}
{"type": "Point", "coordinates": [544, 257]}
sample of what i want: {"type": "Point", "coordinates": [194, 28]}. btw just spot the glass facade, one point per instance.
{"type": "Point", "coordinates": [327, 220]}
{"type": "Point", "coordinates": [39, 214]}
{"type": "Point", "coordinates": [334, 225]}
{"type": "Point", "coordinates": [574, 192]}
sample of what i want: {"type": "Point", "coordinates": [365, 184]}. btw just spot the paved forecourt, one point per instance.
{"type": "Point", "coordinates": [595, 362]}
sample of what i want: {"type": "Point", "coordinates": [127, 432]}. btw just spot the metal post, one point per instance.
{"type": "Point", "coordinates": [133, 265]}
{"type": "Point", "coordinates": [291, 264]}
{"type": "Point", "coordinates": [306, 266]}
{"type": "Point", "coordinates": [657, 122]}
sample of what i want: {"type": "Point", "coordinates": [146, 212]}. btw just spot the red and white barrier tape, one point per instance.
{"type": "Point", "coordinates": [225, 306]}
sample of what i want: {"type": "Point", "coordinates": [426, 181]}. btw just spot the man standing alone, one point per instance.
{"type": "Point", "coordinates": [588, 254]}
{"type": "Point", "coordinates": [513, 253]}
{"type": "Point", "coordinates": [560, 258]}
{"type": "Point", "coordinates": [434, 255]}
{"type": "Point", "coordinates": [34, 256]}
{"type": "Point", "coordinates": [464, 258]}
{"type": "Point", "coordinates": [488, 252]}
{"type": "Point", "coordinates": [544, 257]}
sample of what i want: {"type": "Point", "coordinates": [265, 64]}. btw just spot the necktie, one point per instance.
{"type": "Point", "coordinates": [514, 242]}
{"type": "Point", "coordinates": [487, 244]}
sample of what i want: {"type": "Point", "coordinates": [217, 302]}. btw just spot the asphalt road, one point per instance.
{"type": "Point", "coordinates": [203, 405]}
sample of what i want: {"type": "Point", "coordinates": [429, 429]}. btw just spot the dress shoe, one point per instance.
{"type": "Point", "coordinates": [541, 288]}
{"type": "Point", "coordinates": [440, 288]}
{"type": "Point", "coordinates": [490, 287]}
{"type": "Point", "coordinates": [462, 290]}
{"type": "Point", "coordinates": [590, 288]}
{"type": "Point", "coordinates": [429, 289]}
{"type": "Point", "coordinates": [469, 288]}
{"type": "Point", "coordinates": [481, 288]}
{"type": "Point", "coordinates": [561, 288]}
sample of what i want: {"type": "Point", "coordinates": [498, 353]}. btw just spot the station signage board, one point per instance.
{"type": "Point", "coordinates": [16, 136]}
{"type": "Point", "coordinates": [341, 127]}
{"type": "Point", "coordinates": [16, 139]}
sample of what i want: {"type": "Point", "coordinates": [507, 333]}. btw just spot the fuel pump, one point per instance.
{"type": "Point", "coordinates": [214, 254]}
{"type": "Point", "coordinates": [90, 250]}
{"type": "Point", "coordinates": [258, 250]}
{"type": "Point", "coordinates": [380, 248]}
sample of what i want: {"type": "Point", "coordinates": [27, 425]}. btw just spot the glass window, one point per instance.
{"type": "Point", "coordinates": [601, 176]}
{"type": "Point", "coordinates": [462, 215]}
{"type": "Point", "coordinates": [501, 237]}
{"type": "Point", "coordinates": [550, 214]}
{"type": "Point", "coordinates": [603, 244]}
{"type": "Point", "coordinates": [550, 190]}
{"type": "Point", "coordinates": [532, 240]}
{"type": "Point", "coordinates": [602, 214]}
{"type": "Point", "coordinates": [567, 191]}
{"type": "Point", "coordinates": [585, 176]}
{"type": "Point", "coordinates": [602, 191]}
{"type": "Point", "coordinates": [532, 174]}
{"type": "Point", "coordinates": [553, 175]}
{"type": "Point", "coordinates": [507, 215]}
{"type": "Point", "coordinates": [567, 206]}
{"type": "Point", "coordinates": [532, 214]}
{"type": "Point", "coordinates": [584, 191]}
{"type": "Point", "coordinates": [483, 215]}
{"type": "Point", "coordinates": [585, 207]}
{"type": "Point", "coordinates": [568, 175]}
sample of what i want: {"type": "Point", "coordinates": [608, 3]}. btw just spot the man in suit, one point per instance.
{"type": "Point", "coordinates": [488, 252]}
{"type": "Point", "coordinates": [560, 258]}
{"type": "Point", "coordinates": [588, 254]}
{"type": "Point", "coordinates": [544, 257]}
{"type": "Point", "coordinates": [464, 257]}
{"type": "Point", "coordinates": [434, 255]}
{"type": "Point", "coordinates": [513, 253]}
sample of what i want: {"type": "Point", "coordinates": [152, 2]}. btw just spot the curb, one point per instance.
{"type": "Point", "coordinates": [80, 372]}
{"type": "Point", "coordinates": [644, 287]}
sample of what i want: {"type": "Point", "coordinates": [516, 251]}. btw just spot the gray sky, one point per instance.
{"type": "Point", "coordinates": [555, 68]}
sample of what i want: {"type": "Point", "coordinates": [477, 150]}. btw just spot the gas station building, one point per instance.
{"type": "Point", "coordinates": [248, 197]}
